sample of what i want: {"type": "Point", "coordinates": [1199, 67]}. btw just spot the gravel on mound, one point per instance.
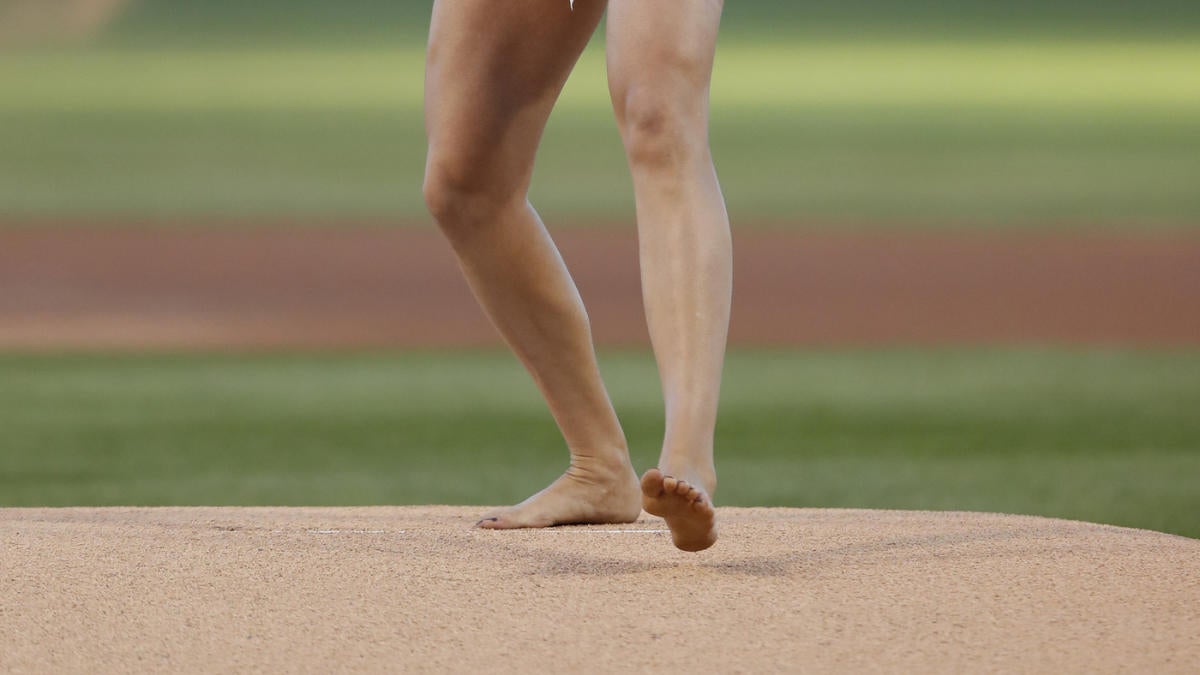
{"type": "Point", "coordinates": [417, 589]}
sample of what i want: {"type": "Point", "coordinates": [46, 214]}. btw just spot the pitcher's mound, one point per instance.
{"type": "Point", "coordinates": [416, 589]}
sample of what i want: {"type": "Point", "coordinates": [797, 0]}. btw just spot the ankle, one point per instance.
{"type": "Point", "coordinates": [603, 464]}
{"type": "Point", "coordinates": [698, 471]}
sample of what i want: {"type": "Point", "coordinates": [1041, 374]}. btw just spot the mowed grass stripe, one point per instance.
{"type": "Point", "coordinates": [857, 165]}
{"type": "Point", "coordinates": [1018, 74]}
{"type": "Point", "coordinates": [893, 133]}
{"type": "Point", "coordinates": [1108, 436]}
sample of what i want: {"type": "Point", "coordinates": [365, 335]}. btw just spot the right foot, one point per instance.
{"type": "Point", "coordinates": [578, 497]}
{"type": "Point", "coordinates": [686, 507]}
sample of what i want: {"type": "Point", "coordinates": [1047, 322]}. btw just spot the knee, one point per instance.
{"type": "Point", "coordinates": [661, 130]}
{"type": "Point", "coordinates": [442, 194]}
{"type": "Point", "coordinates": [451, 195]}
{"type": "Point", "coordinates": [460, 194]}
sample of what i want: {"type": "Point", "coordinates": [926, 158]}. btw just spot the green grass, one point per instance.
{"type": "Point", "coordinates": [355, 22]}
{"type": "Point", "coordinates": [1000, 132]}
{"type": "Point", "coordinates": [1107, 436]}
{"type": "Point", "coordinates": [882, 112]}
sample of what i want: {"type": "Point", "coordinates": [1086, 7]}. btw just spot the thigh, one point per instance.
{"type": "Point", "coordinates": [660, 54]}
{"type": "Point", "coordinates": [493, 71]}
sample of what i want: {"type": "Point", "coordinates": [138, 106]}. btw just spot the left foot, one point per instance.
{"type": "Point", "coordinates": [578, 497]}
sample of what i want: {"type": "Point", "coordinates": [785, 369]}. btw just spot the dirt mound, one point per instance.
{"type": "Point", "coordinates": [416, 589]}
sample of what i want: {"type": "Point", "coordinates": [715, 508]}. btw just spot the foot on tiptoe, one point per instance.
{"type": "Point", "coordinates": [580, 496]}
{"type": "Point", "coordinates": [684, 505]}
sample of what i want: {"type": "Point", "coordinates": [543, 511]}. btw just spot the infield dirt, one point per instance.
{"type": "Point", "coordinates": [417, 589]}
{"type": "Point", "coordinates": [73, 287]}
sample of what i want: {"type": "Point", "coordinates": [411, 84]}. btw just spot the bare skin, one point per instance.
{"type": "Point", "coordinates": [31, 21]}
{"type": "Point", "coordinates": [660, 59]}
{"type": "Point", "coordinates": [491, 81]}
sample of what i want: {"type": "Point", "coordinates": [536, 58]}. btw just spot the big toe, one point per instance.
{"type": "Point", "coordinates": [652, 484]}
{"type": "Point", "coordinates": [489, 522]}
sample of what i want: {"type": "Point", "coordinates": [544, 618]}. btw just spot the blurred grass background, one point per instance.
{"type": "Point", "coordinates": [874, 112]}
{"type": "Point", "coordinates": [871, 113]}
{"type": "Point", "coordinates": [1100, 435]}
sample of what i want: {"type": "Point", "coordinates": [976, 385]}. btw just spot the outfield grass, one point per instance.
{"type": "Point", "coordinates": [1106, 436]}
{"type": "Point", "coordinates": [355, 22]}
{"type": "Point", "coordinates": [1003, 132]}
{"type": "Point", "coordinates": [879, 112]}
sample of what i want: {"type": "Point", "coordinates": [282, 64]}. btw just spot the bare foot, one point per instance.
{"type": "Point", "coordinates": [578, 497]}
{"type": "Point", "coordinates": [686, 508]}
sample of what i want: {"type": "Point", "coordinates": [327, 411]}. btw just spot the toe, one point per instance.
{"type": "Point", "coordinates": [683, 488]}
{"type": "Point", "coordinates": [489, 523]}
{"type": "Point", "coordinates": [670, 483]}
{"type": "Point", "coordinates": [652, 483]}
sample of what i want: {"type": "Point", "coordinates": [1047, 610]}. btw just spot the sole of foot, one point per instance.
{"type": "Point", "coordinates": [687, 509]}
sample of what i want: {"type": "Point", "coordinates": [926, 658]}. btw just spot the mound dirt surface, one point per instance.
{"type": "Point", "coordinates": [417, 589]}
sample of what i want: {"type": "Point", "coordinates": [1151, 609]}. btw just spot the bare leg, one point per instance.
{"type": "Point", "coordinates": [660, 57]}
{"type": "Point", "coordinates": [494, 72]}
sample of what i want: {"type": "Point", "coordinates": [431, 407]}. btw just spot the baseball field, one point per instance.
{"type": "Point", "coordinates": [967, 270]}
